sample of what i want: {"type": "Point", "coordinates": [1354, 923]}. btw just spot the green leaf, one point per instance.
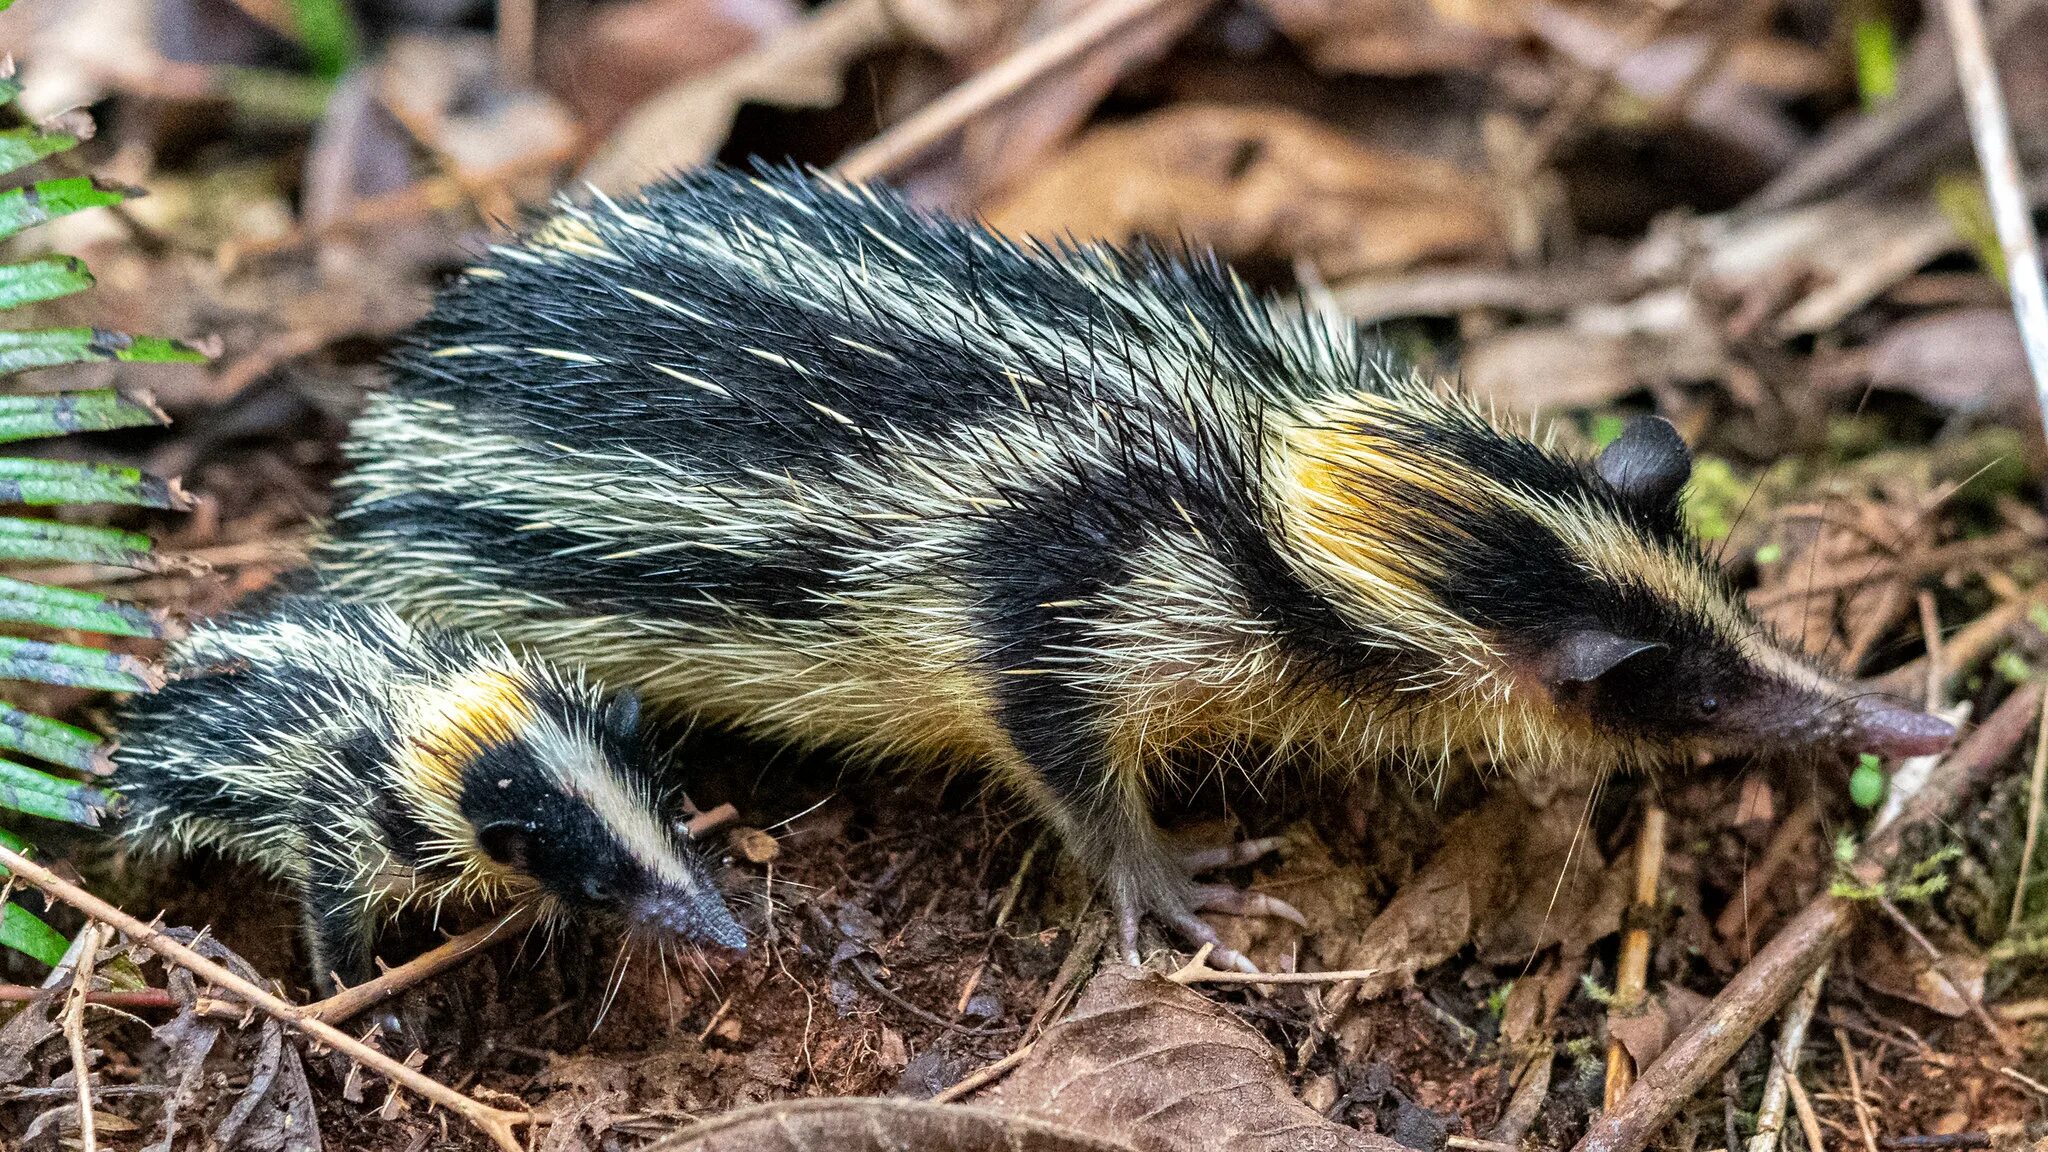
{"type": "Point", "coordinates": [52, 740]}
{"type": "Point", "coordinates": [51, 797]}
{"type": "Point", "coordinates": [266, 97]}
{"type": "Point", "coordinates": [328, 34]}
{"type": "Point", "coordinates": [46, 278]}
{"type": "Point", "coordinates": [46, 347]}
{"type": "Point", "coordinates": [1715, 498]}
{"type": "Point", "coordinates": [25, 539]}
{"type": "Point", "coordinates": [1866, 783]}
{"type": "Point", "coordinates": [14, 844]}
{"type": "Point", "coordinates": [32, 417]}
{"type": "Point", "coordinates": [55, 607]}
{"type": "Point", "coordinates": [1961, 198]}
{"type": "Point", "coordinates": [67, 482]}
{"type": "Point", "coordinates": [46, 200]}
{"type": "Point", "coordinates": [1607, 428]}
{"type": "Point", "coordinates": [22, 931]}
{"type": "Point", "coordinates": [1877, 58]}
{"type": "Point", "coordinates": [21, 147]}
{"type": "Point", "coordinates": [74, 666]}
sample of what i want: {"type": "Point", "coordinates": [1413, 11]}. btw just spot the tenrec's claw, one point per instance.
{"type": "Point", "coordinates": [1230, 855]}
{"type": "Point", "coordinates": [1238, 902]}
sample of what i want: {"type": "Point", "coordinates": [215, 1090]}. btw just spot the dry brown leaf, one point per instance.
{"type": "Point", "coordinates": [1549, 368]}
{"type": "Point", "coordinates": [23, 1033]}
{"type": "Point", "coordinates": [1963, 360]}
{"type": "Point", "coordinates": [1254, 183]}
{"type": "Point", "coordinates": [1165, 1069]}
{"type": "Point", "coordinates": [444, 89]}
{"type": "Point", "coordinates": [1740, 102]}
{"type": "Point", "coordinates": [358, 151]}
{"type": "Point", "coordinates": [618, 55]}
{"type": "Point", "coordinates": [1898, 967]}
{"type": "Point", "coordinates": [1398, 37]}
{"type": "Point", "coordinates": [1649, 1030]}
{"type": "Point", "coordinates": [1511, 878]}
{"type": "Point", "coordinates": [864, 1124]}
{"type": "Point", "coordinates": [74, 51]}
{"type": "Point", "coordinates": [1605, 352]}
{"type": "Point", "coordinates": [1327, 892]}
{"type": "Point", "coordinates": [802, 67]}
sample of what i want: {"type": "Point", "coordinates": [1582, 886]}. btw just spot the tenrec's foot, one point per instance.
{"type": "Point", "coordinates": [1176, 907]}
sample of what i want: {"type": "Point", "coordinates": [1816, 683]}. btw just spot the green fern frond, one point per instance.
{"type": "Point", "coordinates": [26, 790]}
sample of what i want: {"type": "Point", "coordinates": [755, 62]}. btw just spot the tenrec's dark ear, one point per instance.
{"type": "Point", "coordinates": [622, 714]}
{"type": "Point", "coordinates": [1648, 462]}
{"type": "Point", "coordinates": [1586, 655]}
{"type": "Point", "coordinates": [505, 841]}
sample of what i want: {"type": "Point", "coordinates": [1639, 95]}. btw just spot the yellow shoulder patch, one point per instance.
{"type": "Point", "coordinates": [1342, 482]}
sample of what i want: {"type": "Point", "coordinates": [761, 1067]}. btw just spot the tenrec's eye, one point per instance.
{"type": "Point", "coordinates": [1708, 705]}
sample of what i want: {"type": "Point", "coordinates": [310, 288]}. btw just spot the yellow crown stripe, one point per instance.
{"type": "Point", "coordinates": [456, 722]}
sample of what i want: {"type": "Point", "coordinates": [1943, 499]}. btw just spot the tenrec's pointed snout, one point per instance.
{"type": "Point", "coordinates": [1888, 729]}
{"type": "Point", "coordinates": [693, 916]}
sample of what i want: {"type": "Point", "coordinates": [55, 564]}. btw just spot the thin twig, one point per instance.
{"type": "Point", "coordinates": [1770, 1115]}
{"type": "Point", "coordinates": [1731, 1088]}
{"type": "Point", "coordinates": [1969, 644]}
{"type": "Point", "coordinates": [1474, 1144]}
{"type": "Point", "coordinates": [1197, 971]}
{"type": "Point", "coordinates": [74, 1033]}
{"type": "Point", "coordinates": [1532, 1089]}
{"type": "Point", "coordinates": [2011, 210]}
{"type": "Point", "coordinates": [710, 820]}
{"type": "Point", "coordinates": [933, 123]}
{"type": "Point", "coordinates": [876, 986]}
{"type": "Point", "coordinates": [351, 1002]}
{"type": "Point", "coordinates": [1916, 566]}
{"type": "Point", "coordinates": [985, 1076]}
{"type": "Point", "coordinates": [1632, 972]}
{"type": "Point", "coordinates": [717, 1018]}
{"type": "Point", "coordinates": [1809, 1122]}
{"type": "Point", "coordinates": [496, 1123]}
{"type": "Point", "coordinates": [2025, 1079]}
{"type": "Point", "coordinates": [432, 194]}
{"type": "Point", "coordinates": [1784, 846]}
{"type": "Point", "coordinates": [2034, 799]}
{"type": "Point", "coordinates": [1864, 1121]}
{"type": "Point", "coordinates": [1937, 662]}
{"type": "Point", "coordinates": [2021, 1011]}
{"type": "Point", "coordinates": [127, 1001]}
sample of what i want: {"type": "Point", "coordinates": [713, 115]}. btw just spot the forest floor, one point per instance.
{"type": "Point", "coordinates": [1760, 218]}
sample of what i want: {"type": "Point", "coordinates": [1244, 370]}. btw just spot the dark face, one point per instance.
{"type": "Point", "coordinates": [1703, 698]}
{"type": "Point", "coordinates": [1687, 694]}
{"type": "Point", "coordinates": [572, 805]}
